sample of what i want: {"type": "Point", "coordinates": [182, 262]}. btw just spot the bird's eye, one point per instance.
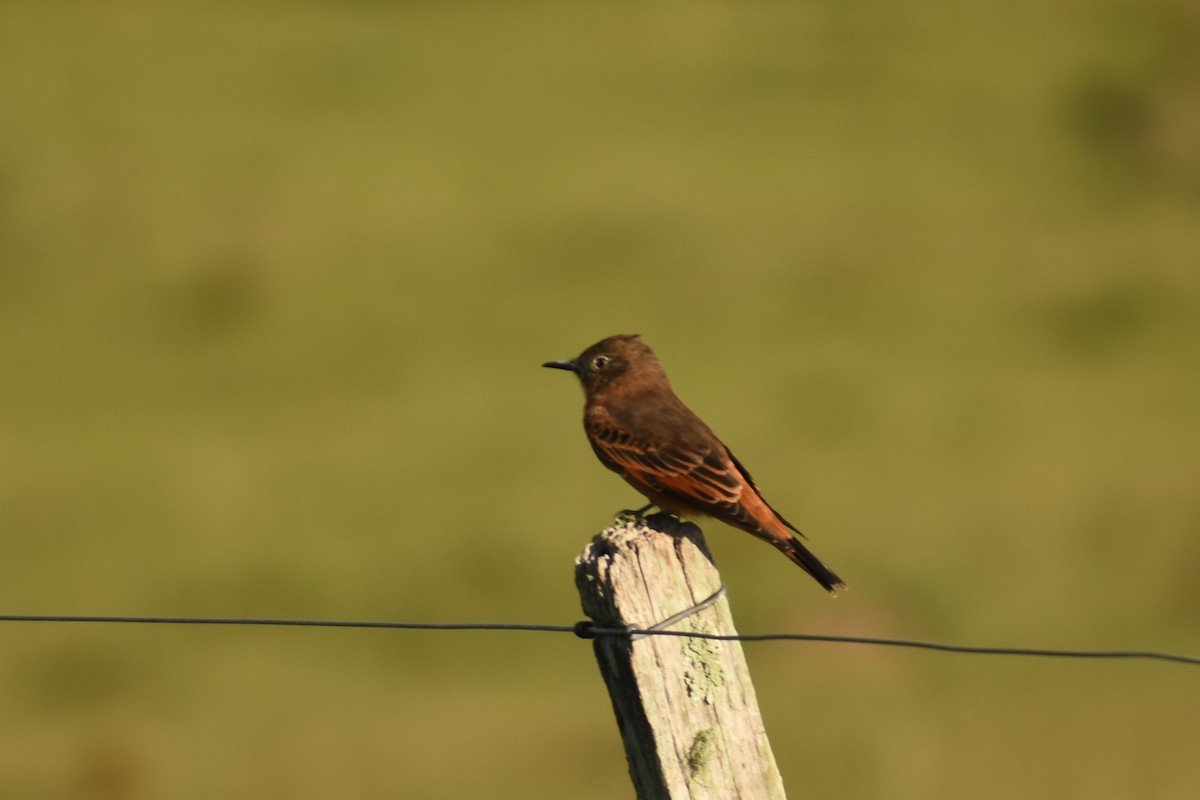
{"type": "Point", "coordinates": [600, 362]}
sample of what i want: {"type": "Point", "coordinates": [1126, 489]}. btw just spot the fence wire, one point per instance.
{"type": "Point", "coordinates": [590, 630]}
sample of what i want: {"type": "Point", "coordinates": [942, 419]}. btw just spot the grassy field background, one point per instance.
{"type": "Point", "coordinates": [276, 279]}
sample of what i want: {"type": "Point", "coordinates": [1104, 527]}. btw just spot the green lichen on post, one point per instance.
{"type": "Point", "coordinates": [700, 752]}
{"type": "Point", "coordinates": [704, 676]}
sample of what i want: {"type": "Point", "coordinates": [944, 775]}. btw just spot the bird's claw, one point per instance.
{"type": "Point", "coordinates": [632, 516]}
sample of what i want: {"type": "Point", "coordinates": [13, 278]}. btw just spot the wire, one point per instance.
{"type": "Point", "coordinates": [589, 630]}
{"type": "Point", "coordinates": [939, 646]}
{"type": "Point", "coordinates": [292, 623]}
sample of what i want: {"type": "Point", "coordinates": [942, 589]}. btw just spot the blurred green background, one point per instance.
{"type": "Point", "coordinates": [276, 279]}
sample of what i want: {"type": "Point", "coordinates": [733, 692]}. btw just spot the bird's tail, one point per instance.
{"type": "Point", "coordinates": [794, 549]}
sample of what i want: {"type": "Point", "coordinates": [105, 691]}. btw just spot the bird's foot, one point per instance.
{"type": "Point", "coordinates": [633, 515]}
{"type": "Point", "coordinates": [661, 520]}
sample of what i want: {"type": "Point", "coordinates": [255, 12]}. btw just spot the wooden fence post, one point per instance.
{"type": "Point", "coordinates": [686, 707]}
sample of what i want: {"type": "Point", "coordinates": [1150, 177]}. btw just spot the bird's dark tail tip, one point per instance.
{"type": "Point", "coordinates": [797, 552]}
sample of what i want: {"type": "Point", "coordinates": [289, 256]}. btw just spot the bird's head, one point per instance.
{"type": "Point", "coordinates": [615, 358]}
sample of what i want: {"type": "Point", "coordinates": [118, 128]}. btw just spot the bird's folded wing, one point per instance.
{"type": "Point", "coordinates": [708, 479]}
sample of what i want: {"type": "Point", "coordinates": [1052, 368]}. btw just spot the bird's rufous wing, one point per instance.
{"type": "Point", "coordinates": [707, 478]}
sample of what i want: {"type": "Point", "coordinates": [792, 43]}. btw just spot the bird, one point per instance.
{"type": "Point", "coordinates": [642, 431]}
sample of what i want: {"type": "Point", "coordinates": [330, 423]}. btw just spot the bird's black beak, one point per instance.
{"type": "Point", "coordinates": [571, 366]}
